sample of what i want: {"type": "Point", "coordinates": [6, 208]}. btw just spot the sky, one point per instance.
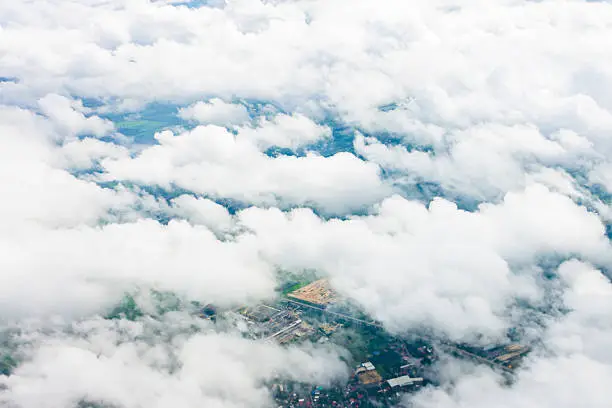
{"type": "Point", "coordinates": [446, 164]}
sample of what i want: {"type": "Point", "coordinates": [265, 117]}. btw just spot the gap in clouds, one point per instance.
{"type": "Point", "coordinates": [139, 126]}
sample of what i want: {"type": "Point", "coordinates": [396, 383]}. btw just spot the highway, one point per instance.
{"type": "Point", "coordinates": [340, 315]}
{"type": "Point", "coordinates": [449, 348]}
{"type": "Point", "coordinates": [454, 349]}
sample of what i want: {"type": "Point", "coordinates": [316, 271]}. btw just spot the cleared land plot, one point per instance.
{"type": "Point", "coordinates": [318, 292]}
{"type": "Point", "coordinates": [369, 377]}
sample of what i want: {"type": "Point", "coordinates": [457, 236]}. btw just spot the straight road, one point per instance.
{"type": "Point", "coordinates": [446, 346]}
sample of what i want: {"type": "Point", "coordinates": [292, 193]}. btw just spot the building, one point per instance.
{"type": "Point", "coordinates": [260, 313]}
{"type": "Point", "coordinates": [403, 382]}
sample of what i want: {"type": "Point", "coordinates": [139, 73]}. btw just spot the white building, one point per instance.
{"type": "Point", "coordinates": [404, 381]}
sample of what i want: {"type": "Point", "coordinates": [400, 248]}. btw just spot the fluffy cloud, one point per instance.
{"type": "Point", "coordinates": [450, 69]}
{"type": "Point", "coordinates": [454, 270]}
{"type": "Point", "coordinates": [290, 132]}
{"type": "Point", "coordinates": [209, 160]}
{"type": "Point", "coordinates": [35, 185]}
{"type": "Point", "coordinates": [203, 211]}
{"type": "Point", "coordinates": [69, 117]}
{"type": "Point", "coordinates": [575, 343]}
{"type": "Point", "coordinates": [511, 155]}
{"type": "Point", "coordinates": [77, 271]}
{"type": "Point", "coordinates": [156, 363]}
{"type": "Point", "coordinates": [216, 112]}
{"type": "Point", "coordinates": [299, 49]}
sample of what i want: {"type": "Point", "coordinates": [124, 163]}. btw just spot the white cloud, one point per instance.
{"type": "Point", "coordinates": [454, 270]}
{"type": "Point", "coordinates": [484, 161]}
{"type": "Point", "coordinates": [212, 161]}
{"type": "Point", "coordinates": [577, 343]}
{"type": "Point", "coordinates": [602, 175]}
{"type": "Point", "coordinates": [203, 211]}
{"type": "Point", "coordinates": [86, 153]}
{"type": "Point", "coordinates": [56, 256]}
{"type": "Point", "coordinates": [216, 112]}
{"type": "Point", "coordinates": [68, 117]}
{"type": "Point", "coordinates": [127, 364]}
{"type": "Point", "coordinates": [77, 271]}
{"type": "Point", "coordinates": [286, 131]}
{"type": "Point", "coordinates": [35, 188]}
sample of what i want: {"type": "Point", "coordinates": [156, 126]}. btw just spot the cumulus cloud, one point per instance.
{"type": "Point", "coordinates": [210, 160]}
{"type": "Point", "coordinates": [35, 185]}
{"type": "Point", "coordinates": [203, 211]}
{"type": "Point", "coordinates": [156, 363]}
{"type": "Point", "coordinates": [216, 112]}
{"type": "Point", "coordinates": [69, 117]}
{"type": "Point", "coordinates": [84, 154]}
{"type": "Point", "coordinates": [97, 264]}
{"type": "Point", "coordinates": [412, 265]}
{"type": "Point", "coordinates": [290, 132]}
{"type": "Point", "coordinates": [512, 156]}
{"type": "Point", "coordinates": [575, 343]}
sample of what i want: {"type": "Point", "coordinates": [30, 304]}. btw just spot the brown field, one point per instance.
{"type": "Point", "coordinates": [369, 377]}
{"type": "Point", "coordinates": [317, 292]}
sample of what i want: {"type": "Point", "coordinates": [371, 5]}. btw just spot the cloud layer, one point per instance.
{"type": "Point", "coordinates": [444, 163]}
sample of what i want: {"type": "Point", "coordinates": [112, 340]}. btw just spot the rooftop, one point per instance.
{"type": "Point", "coordinates": [368, 365]}
{"type": "Point", "coordinates": [403, 381]}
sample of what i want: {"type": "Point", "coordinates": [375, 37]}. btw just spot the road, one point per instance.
{"type": "Point", "coordinates": [340, 315]}
{"type": "Point", "coordinates": [446, 346]}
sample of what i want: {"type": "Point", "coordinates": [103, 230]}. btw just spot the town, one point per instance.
{"type": "Point", "coordinates": [385, 367]}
